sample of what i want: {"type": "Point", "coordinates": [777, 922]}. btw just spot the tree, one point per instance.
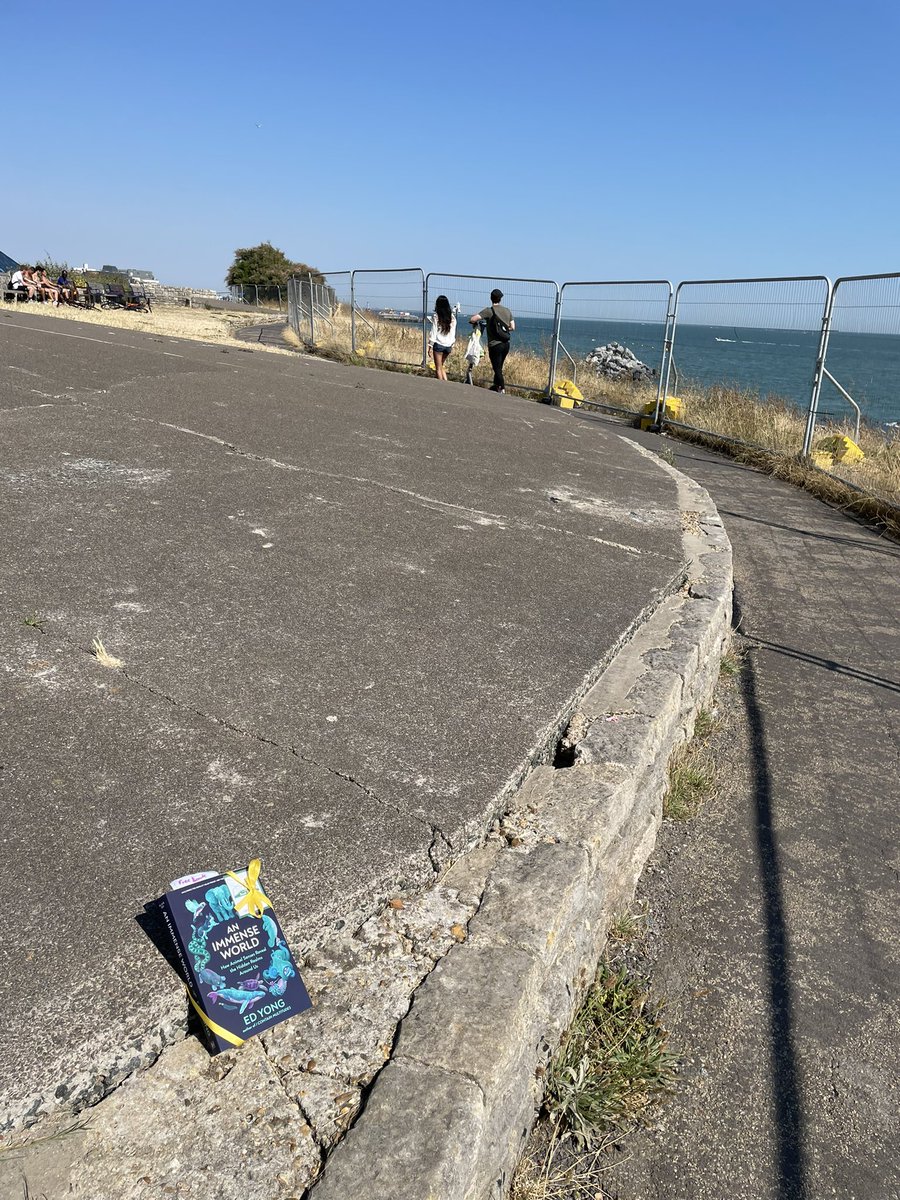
{"type": "Point", "coordinates": [266, 265]}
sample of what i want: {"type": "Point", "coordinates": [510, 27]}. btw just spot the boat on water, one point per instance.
{"type": "Point", "coordinates": [393, 314]}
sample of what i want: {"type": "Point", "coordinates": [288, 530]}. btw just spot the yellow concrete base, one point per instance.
{"type": "Point", "coordinates": [566, 393]}
{"type": "Point", "coordinates": [841, 448]}
{"type": "Point", "coordinates": [672, 409]}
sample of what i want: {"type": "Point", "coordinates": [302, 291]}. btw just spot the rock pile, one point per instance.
{"type": "Point", "coordinates": [616, 361]}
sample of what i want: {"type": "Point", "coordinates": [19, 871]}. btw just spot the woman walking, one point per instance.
{"type": "Point", "coordinates": [443, 335]}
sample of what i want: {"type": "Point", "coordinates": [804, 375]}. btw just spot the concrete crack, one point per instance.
{"type": "Point", "coordinates": [159, 694]}
{"type": "Point", "coordinates": [440, 849]}
{"type": "Point", "coordinates": [481, 517]}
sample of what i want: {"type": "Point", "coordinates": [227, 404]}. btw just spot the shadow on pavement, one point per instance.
{"type": "Point", "coordinates": [827, 664]}
{"type": "Point", "coordinates": [787, 1103]}
{"type": "Point", "coordinates": [890, 550]}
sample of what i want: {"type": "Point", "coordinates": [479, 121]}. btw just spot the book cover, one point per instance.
{"type": "Point", "coordinates": [235, 961]}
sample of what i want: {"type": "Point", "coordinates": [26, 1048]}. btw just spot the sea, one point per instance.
{"type": "Point", "coordinates": [771, 362]}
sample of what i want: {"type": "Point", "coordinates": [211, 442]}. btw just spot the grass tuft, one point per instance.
{"type": "Point", "coordinates": [613, 1063]}
{"type": "Point", "coordinates": [690, 784]}
{"type": "Point", "coordinates": [104, 658]}
{"type": "Point", "coordinates": [628, 926]}
{"type": "Point", "coordinates": [732, 663]}
{"type": "Point", "coordinates": [706, 724]}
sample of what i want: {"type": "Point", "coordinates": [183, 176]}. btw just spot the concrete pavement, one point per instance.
{"type": "Point", "coordinates": [352, 608]}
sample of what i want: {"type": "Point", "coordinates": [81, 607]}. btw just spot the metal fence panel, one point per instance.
{"type": "Point", "coordinates": [860, 355]}
{"type": "Point", "coordinates": [532, 302]}
{"type": "Point", "coordinates": [742, 340]}
{"type": "Point", "coordinates": [594, 315]}
{"type": "Point", "coordinates": [387, 314]}
{"type": "Point", "coordinates": [319, 311]}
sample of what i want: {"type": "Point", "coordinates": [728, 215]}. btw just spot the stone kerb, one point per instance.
{"type": "Point", "coordinates": [448, 1115]}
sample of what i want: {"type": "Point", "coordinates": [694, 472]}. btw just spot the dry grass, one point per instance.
{"type": "Point", "coordinates": [104, 658]}
{"type": "Point", "coordinates": [196, 324]}
{"type": "Point", "coordinates": [556, 1171]}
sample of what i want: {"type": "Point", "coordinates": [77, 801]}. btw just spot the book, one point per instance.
{"type": "Point", "coordinates": [238, 969]}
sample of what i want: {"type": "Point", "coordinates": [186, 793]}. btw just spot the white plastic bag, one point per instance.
{"type": "Point", "coordinates": [474, 349]}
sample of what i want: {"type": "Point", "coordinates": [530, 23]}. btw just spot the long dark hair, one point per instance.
{"type": "Point", "coordinates": [444, 313]}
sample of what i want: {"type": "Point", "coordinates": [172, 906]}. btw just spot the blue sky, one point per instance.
{"type": "Point", "coordinates": [577, 142]}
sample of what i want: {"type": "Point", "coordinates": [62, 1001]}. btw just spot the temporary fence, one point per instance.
{"type": "Point", "coordinates": [758, 360]}
{"type": "Point", "coordinates": [859, 361]}
{"type": "Point", "coordinates": [315, 307]}
{"type": "Point", "coordinates": [757, 338]}
{"type": "Point", "coordinates": [260, 295]}
{"type": "Point", "coordinates": [626, 315]}
{"type": "Point", "coordinates": [387, 312]}
{"type": "Point", "coordinates": [534, 304]}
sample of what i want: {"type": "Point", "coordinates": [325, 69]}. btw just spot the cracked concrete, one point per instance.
{"type": "Point", "coordinates": [353, 697]}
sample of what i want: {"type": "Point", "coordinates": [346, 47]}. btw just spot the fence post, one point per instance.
{"type": "Point", "coordinates": [312, 321]}
{"type": "Point", "coordinates": [810, 431]}
{"type": "Point", "coordinates": [554, 344]}
{"type": "Point", "coordinates": [662, 392]}
{"type": "Point", "coordinates": [353, 311]}
{"type": "Point", "coordinates": [425, 319]}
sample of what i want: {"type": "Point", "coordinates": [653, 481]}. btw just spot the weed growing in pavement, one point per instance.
{"type": "Point", "coordinates": [557, 1172]}
{"type": "Point", "coordinates": [705, 724]}
{"type": "Point", "coordinates": [691, 782]}
{"type": "Point", "coordinates": [731, 663]}
{"type": "Point", "coordinates": [628, 925]}
{"type": "Point", "coordinates": [34, 622]}
{"type": "Point", "coordinates": [613, 1063]}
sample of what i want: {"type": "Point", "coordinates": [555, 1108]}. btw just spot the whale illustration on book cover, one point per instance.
{"type": "Point", "coordinates": [239, 972]}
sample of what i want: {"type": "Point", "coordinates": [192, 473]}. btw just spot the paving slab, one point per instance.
{"type": "Point", "coordinates": [352, 609]}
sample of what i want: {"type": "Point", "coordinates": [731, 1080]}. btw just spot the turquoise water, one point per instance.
{"type": "Point", "coordinates": [772, 362]}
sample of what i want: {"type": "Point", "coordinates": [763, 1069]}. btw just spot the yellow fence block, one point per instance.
{"type": "Point", "coordinates": [673, 408]}
{"type": "Point", "coordinates": [823, 459]}
{"type": "Point", "coordinates": [567, 393]}
{"type": "Point", "coordinates": [842, 449]}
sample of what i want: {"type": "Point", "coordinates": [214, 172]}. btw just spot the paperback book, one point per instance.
{"type": "Point", "coordinates": [236, 964]}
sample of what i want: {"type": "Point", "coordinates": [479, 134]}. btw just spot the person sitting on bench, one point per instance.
{"type": "Point", "coordinates": [49, 290]}
{"type": "Point", "coordinates": [21, 282]}
{"type": "Point", "coordinates": [67, 289]}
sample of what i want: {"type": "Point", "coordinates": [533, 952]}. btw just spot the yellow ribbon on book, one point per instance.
{"type": "Point", "coordinates": [255, 900]}
{"type": "Point", "coordinates": [223, 1033]}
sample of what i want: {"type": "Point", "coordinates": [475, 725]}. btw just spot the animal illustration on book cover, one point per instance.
{"type": "Point", "coordinates": [239, 970]}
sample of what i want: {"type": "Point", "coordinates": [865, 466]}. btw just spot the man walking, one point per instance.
{"type": "Point", "coordinates": [500, 324]}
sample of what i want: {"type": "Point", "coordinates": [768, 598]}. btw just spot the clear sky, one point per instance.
{"type": "Point", "coordinates": [576, 141]}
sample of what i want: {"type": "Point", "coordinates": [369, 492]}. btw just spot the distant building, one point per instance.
{"type": "Point", "coordinates": [139, 273]}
